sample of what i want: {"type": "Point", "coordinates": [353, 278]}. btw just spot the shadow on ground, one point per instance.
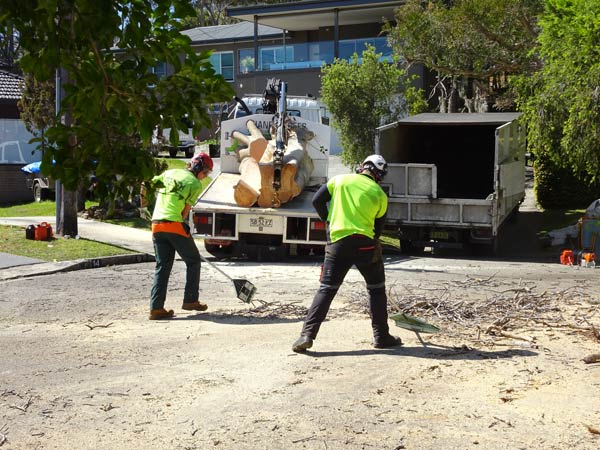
{"type": "Point", "coordinates": [431, 353]}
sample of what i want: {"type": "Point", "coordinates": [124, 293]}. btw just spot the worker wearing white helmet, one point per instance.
{"type": "Point", "coordinates": [355, 219]}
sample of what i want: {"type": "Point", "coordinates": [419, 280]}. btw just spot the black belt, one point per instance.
{"type": "Point", "coordinates": [163, 221]}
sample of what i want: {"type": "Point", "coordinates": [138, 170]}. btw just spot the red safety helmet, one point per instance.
{"type": "Point", "coordinates": [201, 162]}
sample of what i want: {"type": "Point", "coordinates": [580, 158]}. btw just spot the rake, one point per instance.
{"type": "Point", "coordinates": [243, 288]}
{"type": "Point", "coordinates": [414, 324]}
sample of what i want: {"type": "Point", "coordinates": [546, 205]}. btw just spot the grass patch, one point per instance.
{"type": "Point", "coordinates": [34, 209]}
{"type": "Point", "coordinates": [390, 240]}
{"type": "Point", "coordinates": [174, 163]}
{"type": "Point", "coordinates": [12, 240]}
{"type": "Point", "coordinates": [554, 219]}
{"type": "Point", "coordinates": [133, 222]}
{"type": "Point", "coordinates": [45, 208]}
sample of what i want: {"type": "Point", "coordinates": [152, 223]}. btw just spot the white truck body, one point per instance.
{"type": "Point", "coordinates": [453, 179]}
{"type": "Point", "coordinates": [229, 229]}
{"type": "Point", "coordinates": [306, 108]}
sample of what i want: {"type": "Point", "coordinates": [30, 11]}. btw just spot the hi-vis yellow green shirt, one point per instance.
{"type": "Point", "coordinates": [356, 201]}
{"type": "Point", "coordinates": [176, 188]}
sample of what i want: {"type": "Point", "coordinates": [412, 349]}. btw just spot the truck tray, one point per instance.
{"type": "Point", "coordinates": [218, 197]}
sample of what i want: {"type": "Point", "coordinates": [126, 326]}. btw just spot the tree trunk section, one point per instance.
{"type": "Point", "coordinates": [247, 190]}
{"type": "Point", "coordinates": [256, 142]}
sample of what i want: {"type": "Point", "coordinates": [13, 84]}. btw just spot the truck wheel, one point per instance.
{"type": "Point", "coordinates": [38, 193]}
{"type": "Point", "coordinates": [189, 152]}
{"type": "Point", "coordinates": [407, 247]}
{"type": "Point", "coordinates": [173, 152]}
{"type": "Point", "coordinates": [219, 251]}
{"type": "Point", "coordinates": [154, 150]}
{"type": "Point", "coordinates": [488, 249]}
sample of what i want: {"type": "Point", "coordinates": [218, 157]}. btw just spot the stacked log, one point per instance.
{"type": "Point", "coordinates": [257, 171]}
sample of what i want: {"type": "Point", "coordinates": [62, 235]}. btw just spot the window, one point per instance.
{"type": "Point", "coordinates": [350, 46]}
{"type": "Point", "coordinates": [274, 56]}
{"type": "Point", "coordinates": [160, 70]}
{"type": "Point", "coordinates": [222, 62]}
{"type": "Point", "coordinates": [246, 60]}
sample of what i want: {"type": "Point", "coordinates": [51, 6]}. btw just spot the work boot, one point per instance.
{"type": "Point", "coordinates": [388, 341]}
{"type": "Point", "coordinates": [302, 344]}
{"type": "Point", "coordinates": [158, 314]}
{"type": "Point", "coordinates": [195, 306]}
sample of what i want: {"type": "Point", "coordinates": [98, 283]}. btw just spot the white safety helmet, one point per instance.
{"type": "Point", "coordinates": [376, 165]}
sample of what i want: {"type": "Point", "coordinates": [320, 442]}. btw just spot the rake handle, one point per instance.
{"type": "Point", "coordinates": [215, 267]}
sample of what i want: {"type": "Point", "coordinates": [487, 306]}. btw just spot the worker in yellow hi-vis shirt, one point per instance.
{"type": "Point", "coordinates": [355, 219]}
{"type": "Point", "coordinates": [177, 191]}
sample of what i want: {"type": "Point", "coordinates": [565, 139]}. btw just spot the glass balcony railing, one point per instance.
{"type": "Point", "coordinates": [306, 55]}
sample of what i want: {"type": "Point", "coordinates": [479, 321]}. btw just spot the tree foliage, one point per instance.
{"type": "Point", "coordinates": [473, 45]}
{"type": "Point", "coordinates": [214, 12]}
{"type": "Point", "coordinates": [37, 105]}
{"type": "Point", "coordinates": [561, 102]}
{"type": "Point", "coordinates": [112, 99]}
{"type": "Point", "coordinates": [9, 49]}
{"type": "Point", "coordinates": [360, 94]}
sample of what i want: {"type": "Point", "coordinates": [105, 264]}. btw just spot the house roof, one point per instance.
{"type": "Point", "coordinates": [315, 14]}
{"type": "Point", "coordinates": [243, 31]}
{"type": "Point", "coordinates": [11, 86]}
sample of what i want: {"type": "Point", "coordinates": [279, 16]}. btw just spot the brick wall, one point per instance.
{"type": "Point", "coordinates": [12, 185]}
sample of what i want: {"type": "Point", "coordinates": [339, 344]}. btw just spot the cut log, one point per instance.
{"type": "Point", "coordinates": [295, 173]}
{"type": "Point", "coordinates": [257, 169]}
{"type": "Point", "coordinates": [247, 189]}
{"type": "Point", "coordinates": [256, 142]}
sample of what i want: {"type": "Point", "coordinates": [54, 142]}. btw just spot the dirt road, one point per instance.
{"type": "Point", "coordinates": [82, 368]}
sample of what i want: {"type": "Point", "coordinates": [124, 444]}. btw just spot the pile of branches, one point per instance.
{"type": "Point", "coordinates": [487, 304]}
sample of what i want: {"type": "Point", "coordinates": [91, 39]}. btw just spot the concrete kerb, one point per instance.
{"type": "Point", "coordinates": [137, 240]}
{"type": "Point", "coordinates": [33, 270]}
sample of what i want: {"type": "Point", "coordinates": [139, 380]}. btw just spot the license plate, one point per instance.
{"type": "Point", "coordinates": [261, 222]}
{"type": "Point", "coordinates": [438, 235]}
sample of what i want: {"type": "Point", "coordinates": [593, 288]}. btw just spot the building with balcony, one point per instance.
{"type": "Point", "coordinates": [292, 41]}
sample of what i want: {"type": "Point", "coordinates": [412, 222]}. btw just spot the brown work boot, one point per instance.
{"type": "Point", "coordinates": [195, 306]}
{"type": "Point", "coordinates": [158, 314]}
{"type": "Point", "coordinates": [388, 341]}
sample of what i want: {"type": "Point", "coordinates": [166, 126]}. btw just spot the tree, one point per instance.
{"type": "Point", "coordinates": [561, 102]}
{"type": "Point", "coordinates": [113, 100]}
{"type": "Point", "coordinates": [362, 95]}
{"type": "Point", "coordinates": [9, 49]}
{"type": "Point", "coordinates": [37, 105]}
{"type": "Point", "coordinates": [474, 46]}
{"type": "Point", "coordinates": [214, 12]}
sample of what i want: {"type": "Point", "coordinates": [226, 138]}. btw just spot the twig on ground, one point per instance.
{"type": "Point", "coordinates": [25, 407]}
{"type": "Point", "coordinates": [91, 327]}
{"type": "Point", "coordinates": [590, 359]}
{"type": "Point", "coordinates": [592, 429]}
{"type": "Point", "coordinates": [3, 434]}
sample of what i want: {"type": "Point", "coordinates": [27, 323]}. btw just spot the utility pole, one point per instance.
{"type": "Point", "coordinates": [66, 201]}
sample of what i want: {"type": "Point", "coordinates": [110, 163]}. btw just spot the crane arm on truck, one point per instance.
{"type": "Point", "coordinates": [275, 103]}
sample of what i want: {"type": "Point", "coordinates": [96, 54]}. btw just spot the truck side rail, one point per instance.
{"type": "Point", "coordinates": [453, 212]}
{"type": "Point", "coordinates": [411, 180]}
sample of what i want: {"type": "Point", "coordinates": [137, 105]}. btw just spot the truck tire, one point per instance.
{"type": "Point", "coordinates": [38, 192]}
{"type": "Point", "coordinates": [173, 152]}
{"type": "Point", "coordinates": [408, 248]}
{"type": "Point", "coordinates": [189, 152]}
{"type": "Point", "coordinates": [219, 251]}
{"type": "Point", "coordinates": [488, 249]}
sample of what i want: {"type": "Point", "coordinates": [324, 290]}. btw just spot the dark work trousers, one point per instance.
{"type": "Point", "coordinates": [365, 254]}
{"type": "Point", "coordinates": [165, 246]}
